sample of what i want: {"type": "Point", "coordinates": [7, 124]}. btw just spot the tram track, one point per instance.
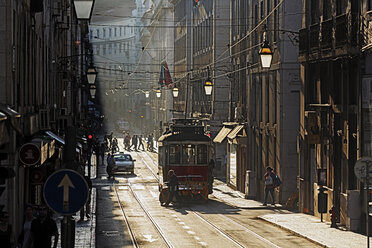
{"type": "Point", "coordinates": [228, 236]}
{"type": "Point", "coordinates": [140, 154]}
{"type": "Point", "coordinates": [131, 234]}
{"type": "Point", "coordinates": [127, 222]}
{"type": "Point", "coordinates": [222, 232]}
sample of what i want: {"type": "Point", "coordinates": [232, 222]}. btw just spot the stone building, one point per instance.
{"type": "Point", "coordinates": [332, 126]}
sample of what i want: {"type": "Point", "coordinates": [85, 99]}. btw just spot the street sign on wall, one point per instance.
{"type": "Point", "coordinates": [360, 168]}
{"type": "Point", "coordinates": [66, 191]}
{"type": "Point", "coordinates": [29, 154]}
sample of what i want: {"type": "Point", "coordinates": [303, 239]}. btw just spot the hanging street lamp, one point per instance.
{"type": "Point", "coordinates": [266, 55]}
{"type": "Point", "coordinates": [175, 92]}
{"type": "Point", "coordinates": [208, 86]}
{"type": "Point", "coordinates": [158, 93]}
{"type": "Point", "coordinates": [147, 94]}
{"type": "Point", "coordinates": [92, 90]}
{"type": "Point", "coordinates": [83, 9]}
{"type": "Point", "coordinates": [92, 75]}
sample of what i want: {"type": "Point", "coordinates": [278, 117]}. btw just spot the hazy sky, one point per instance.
{"type": "Point", "coordinates": [112, 10]}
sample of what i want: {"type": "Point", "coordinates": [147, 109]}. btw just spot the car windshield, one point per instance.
{"type": "Point", "coordinates": [123, 157]}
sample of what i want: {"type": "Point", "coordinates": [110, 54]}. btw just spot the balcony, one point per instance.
{"type": "Point", "coordinates": [341, 30]}
{"type": "Point", "coordinates": [327, 34]}
{"type": "Point", "coordinates": [314, 36]}
{"type": "Point", "coordinates": [303, 41]}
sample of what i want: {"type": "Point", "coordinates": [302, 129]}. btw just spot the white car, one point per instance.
{"type": "Point", "coordinates": [124, 163]}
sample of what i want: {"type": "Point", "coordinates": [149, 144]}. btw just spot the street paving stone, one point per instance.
{"type": "Point", "coordinates": [311, 228]}
{"type": "Point", "coordinates": [300, 224]}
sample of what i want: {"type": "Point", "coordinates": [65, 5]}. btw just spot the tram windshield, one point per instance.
{"type": "Point", "coordinates": [188, 154]}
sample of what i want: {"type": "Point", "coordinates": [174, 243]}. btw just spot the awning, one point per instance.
{"type": "Point", "coordinates": [222, 134]}
{"type": "Point", "coordinates": [235, 132]}
{"type": "Point", "coordinates": [56, 137]}
{"type": "Point", "coordinates": [9, 112]}
{"type": "Point", "coordinates": [12, 117]}
{"type": "Point", "coordinates": [2, 116]}
{"type": "Point", "coordinates": [59, 139]}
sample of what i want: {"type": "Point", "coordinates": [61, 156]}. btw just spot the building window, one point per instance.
{"type": "Point", "coordinates": [104, 33]}
{"type": "Point", "coordinates": [369, 4]}
{"type": "Point", "coordinates": [314, 11]}
{"type": "Point", "coordinates": [327, 10]}
{"type": "Point", "coordinates": [116, 32]}
{"type": "Point", "coordinates": [268, 6]}
{"type": "Point", "coordinates": [97, 33]}
{"type": "Point", "coordinates": [276, 26]}
{"type": "Point", "coordinates": [341, 7]}
{"type": "Point", "coordinates": [262, 12]}
{"type": "Point", "coordinates": [110, 32]}
{"type": "Point", "coordinates": [121, 29]}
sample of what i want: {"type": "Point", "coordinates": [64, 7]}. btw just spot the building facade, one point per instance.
{"type": "Point", "coordinates": [332, 126]}
{"type": "Point", "coordinates": [158, 56]}
{"type": "Point", "coordinates": [42, 78]}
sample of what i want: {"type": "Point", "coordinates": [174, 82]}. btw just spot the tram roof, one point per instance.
{"type": "Point", "coordinates": [184, 137]}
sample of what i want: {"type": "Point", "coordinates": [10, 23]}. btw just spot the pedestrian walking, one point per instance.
{"type": "Point", "coordinates": [24, 239]}
{"type": "Point", "coordinates": [150, 144]}
{"type": "Point", "coordinates": [86, 209]}
{"type": "Point", "coordinates": [102, 153]}
{"type": "Point", "coordinates": [140, 143]}
{"type": "Point", "coordinates": [43, 228]}
{"type": "Point", "coordinates": [269, 185]}
{"type": "Point", "coordinates": [134, 142]}
{"type": "Point", "coordinates": [6, 232]}
{"type": "Point", "coordinates": [127, 141]}
{"type": "Point", "coordinates": [211, 165]}
{"type": "Point", "coordinates": [173, 187]}
{"type": "Point", "coordinates": [110, 166]}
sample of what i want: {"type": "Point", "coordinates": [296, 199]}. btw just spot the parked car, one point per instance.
{"type": "Point", "coordinates": [124, 163]}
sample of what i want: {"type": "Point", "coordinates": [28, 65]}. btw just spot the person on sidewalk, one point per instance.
{"type": "Point", "coordinates": [173, 187]}
{"type": "Point", "coordinates": [24, 239]}
{"type": "Point", "coordinates": [43, 228]}
{"type": "Point", "coordinates": [86, 209]}
{"type": "Point", "coordinates": [110, 166]}
{"type": "Point", "coordinates": [102, 153]}
{"type": "Point", "coordinates": [211, 165]}
{"type": "Point", "coordinates": [6, 232]}
{"type": "Point", "coordinates": [269, 185]}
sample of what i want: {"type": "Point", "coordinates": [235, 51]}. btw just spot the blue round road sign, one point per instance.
{"type": "Point", "coordinates": [66, 191]}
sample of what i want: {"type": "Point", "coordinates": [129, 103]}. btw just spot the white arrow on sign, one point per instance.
{"type": "Point", "coordinates": [66, 184]}
{"type": "Point", "coordinates": [149, 238]}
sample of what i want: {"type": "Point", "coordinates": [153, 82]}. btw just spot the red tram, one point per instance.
{"type": "Point", "coordinates": [187, 150]}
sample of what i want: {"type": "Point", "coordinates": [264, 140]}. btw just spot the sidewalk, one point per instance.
{"type": "Point", "coordinates": [300, 224]}
{"type": "Point", "coordinates": [85, 231]}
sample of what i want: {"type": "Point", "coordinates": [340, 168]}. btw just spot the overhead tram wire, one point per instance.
{"type": "Point", "coordinates": [236, 43]}
{"type": "Point", "coordinates": [250, 32]}
{"type": "Point", "coordinates": [143, 50]}
{"type": "Point", "coordinates": [219, 57]}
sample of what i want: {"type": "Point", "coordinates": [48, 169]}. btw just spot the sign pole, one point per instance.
{"type": "Point", "coordinates": [367, 202]}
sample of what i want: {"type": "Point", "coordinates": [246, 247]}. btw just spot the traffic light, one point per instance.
{"type": "Point", "coordinates": [90, 137]}
{"type": "Point", "coordinates": [196, 3]}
